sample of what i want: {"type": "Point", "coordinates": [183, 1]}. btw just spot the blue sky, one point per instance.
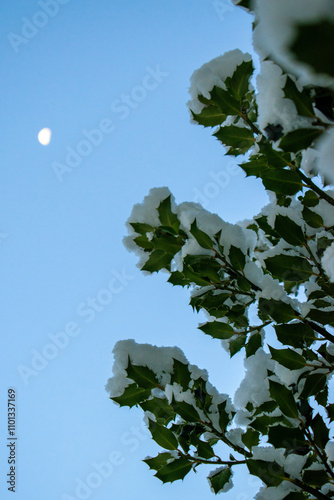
{"type": "Point", "coordinates": [61, 235]}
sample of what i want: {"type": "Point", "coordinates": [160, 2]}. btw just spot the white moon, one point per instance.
{"type": "Point", "coordinates": [44, 136]}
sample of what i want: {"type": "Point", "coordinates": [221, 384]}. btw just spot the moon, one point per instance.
{"type": "Point", "coordinates": [44, 136]}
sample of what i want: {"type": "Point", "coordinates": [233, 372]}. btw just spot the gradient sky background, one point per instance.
{"type": "Point", "coordinates": [61, 242]}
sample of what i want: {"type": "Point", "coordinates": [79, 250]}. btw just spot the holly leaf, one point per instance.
{"type": "Point", "coordinates": [300, 139]}
{"type": "Point", "coordinates": [301, 99]}
{"type": "Point", "coordinates": [239, 81]}
{"type": "Point", "coordinates": [283, 181]}
{"type": "Point", "coordinates": [295, 334]}
{"type": "Point", "coordinates": [141, 228]}
{"type": "Point", "coordinates": [313, 46]}
{"type": "Point", "coordinates": [314, 383]}
{"type": "Point", "coordinates": [201, 237]}
{"type": "Point", "coordinates": [163, 436]}
{"type": "Point", "coordinates": [250, 438]}
{"type": "Point", "coordinates": [175, 470]}
{"type": "Point", "coordinates": [166, 216]}
{"type": "Point", "coordinates": [142, 375]}
{"type": "Point", "coordinates": [288, 358]}
{"type": "Point", "coordinates": [158, 259]}
{"type": "Point", "coordinates": [237, 258]}
{"type": "Point", "coordinates": [239, 139]}
{"type": "Point", "coordinates": [278, 310]}
{"type": "Point", "coordinates": [210, 116]}
{"type": "Point", "coordinates": [132, 396]}
{"type": "Point", "coordinates": [289, 230]}
{"type": "Point", "coordinates": [289, 268]}
{"type": "Point", "coordinates": [283, 398]}
{"type": "Point", "coordinates": [181, 374]}
{"type": "Point", "coordinates": [226, 102]}
{"type": "Point", "coordinates": [220, 479]}
{"type": "Point", "coordinates": [217, 330]}
{"type": "Point", "coordinates": [270, 473]}
{"type": "Point", "coordinates": [312, 218]}
{"type": "Point", "coordinates": [159, 461]}
{"type": "Point", "coordinates": [320, 431]}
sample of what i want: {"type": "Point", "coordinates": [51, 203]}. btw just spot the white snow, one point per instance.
{"type": "Point", "coordinates": [325, 160]}
{"type": "Point", "coordinates": [158, 359]}
{"type": "Point", "coordinates": [327, 262]}
{"type": "Point", "coordinates": [329, 449]}
{"type": "Point", "coordinates": [211, 74]}
{"type": "Point", "coordinates": [254, 387]}
{"type": "Point", "coordinates": [276, 30]}
{"type": "Point", "coordinates": [273, 107]}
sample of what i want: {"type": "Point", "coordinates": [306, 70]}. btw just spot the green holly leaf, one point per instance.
{"type": "Point", "coordinates": [289, 268]}
{"type": "Point", "coordinates": [315, 477]}
{"type": "Point", "coordinates": [288, 358]}
{"type": "Point", "coordinates": [311, 199]}
{"type": "Point", "coordinates": [226, 102]}
{"type": "Point", "coordinates": [217, 330]}
{"type": "Point", "coordinates": [174, 470]}
{"type": "Point", "coordinates": [159, 461]}
{"type": "Point", "coordinates": [181, 374]}
{"type": "Point", "coordinates": [132, 396]}
{"type": "Point", "coordinates": [313, 45]}
{"type": "Point", "coordinates": [186, 411]}
{"type": "Point", "coordinates": [255, 166]}
{"type": "Point", "coordinates": [254, 343]}
{"type": "Point", "coordinates": [160, 408]}
{"type": "Point", "coordinates": [314, 383]}
{"type": "Point", "coordinates": [143, 242]}
{"type": "Point", "coordinates": [163, 436]}
{"type": "Point", "coordinates": [239, 139]}
{"type": "Point", "coordinates": [320, 431]}
{"type": "Point", "coordinates": [283, 398]}
{"type": "Point", "coordinates": [158, 259]}
{"type": "Point", "coordinates": [166, 216]}
{"type": "Point", "coordinates": [312, 218]}
{"type": "Point", "coordinates": [323, 317]}
{"type": "Point", "coordinates": [168, 243]}
{"type": "Point", "coordinates": [295, 334]}
{"type": "Point", "coordinates": [236, 344]}
{"type": "Point", "coordinates": [278, 310]}
{"type": "Point", "coordinates": [141, 228]}
{"type": "Point", "coordinates": [210, 116]}
{"type": "Point", "coordinates": [239, 81]}
{"type": "Point", "coordinates": [237, 258]}
{"type": "Point", "coordinates": [301, 99]}
{"type": "Point", "coordinates": [270, 473]}
{"type": "Point", "coordinates": [201, 237]}
{"type": "Point", "coordinates": [219, 479]}
{"type": "Point", "coordinates": [285, 182]}
{"type": "Point", "coordinates": [289, 230]}
{"type": "Point", "coordinates": [250, 438]}
{"type": "Point", "coordinates": [142, 375]}
{"type": "Point", "coordinates": [300, 139]}
{"type": "Point", "coordinates": [292, 439]}
{"type": "Point", "coordinates": [178, 278]}
{"type": "Point", "coordinates": [224, 417]}
{"type": "Point", "coordinates": [204, 450]}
